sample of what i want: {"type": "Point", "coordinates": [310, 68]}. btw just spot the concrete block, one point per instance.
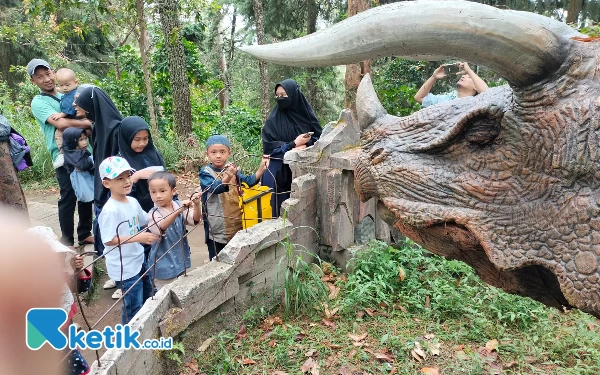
{"type": "Point", "coordinates": [201, 292]}
{"type": "Point", "coordinates": [108, 367]}
{"type": "Point", "coordinates": [253, 239]}
{"type": "Point", "coordinates": [345, 160]}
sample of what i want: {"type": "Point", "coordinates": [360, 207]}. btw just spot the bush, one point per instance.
{"type": "Point", "coordinates": [435, 288]}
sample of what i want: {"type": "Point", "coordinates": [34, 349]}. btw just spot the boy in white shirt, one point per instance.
{"type": "Point", "coordinates": [125, 213]}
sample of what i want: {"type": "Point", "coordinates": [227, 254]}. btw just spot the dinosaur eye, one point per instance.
{"type": "Point", "coordinates": [482, 129]}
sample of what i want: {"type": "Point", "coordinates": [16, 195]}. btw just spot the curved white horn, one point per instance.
{"type": "Point", "coordinates": [520, 47]}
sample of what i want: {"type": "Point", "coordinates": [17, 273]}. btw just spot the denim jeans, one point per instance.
{"type": "Point", "coordinates": [66, 210]}
{"type": "Point", "coordinates": [135, 296]}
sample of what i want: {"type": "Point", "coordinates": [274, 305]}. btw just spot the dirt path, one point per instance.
{"type": "Point", "coordinates": [43, 210]}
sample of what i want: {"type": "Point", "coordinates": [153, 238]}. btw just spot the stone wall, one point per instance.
{"type": "Point", "coordinates": [323, 215]}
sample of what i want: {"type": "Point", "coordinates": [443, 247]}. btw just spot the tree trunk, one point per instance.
{"type": "Point", "coordinates": [222, 63]}
{"type": "Point", "coordinates": [262, 65]}
{"type": "Point", "coordinates": [311, 27]}
{"type": "Point", "coordinates": [575, 7]}
{"type": "Point", "coordinates": [355, 72]}
{"type": "Point", "coordinates": [11, 193]}
{"type": "Point", "coordinates": [143, 52]}
{"type": "Point", "coordinates": [180, 86]}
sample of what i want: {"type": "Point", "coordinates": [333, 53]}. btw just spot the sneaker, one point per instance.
{"type": "Point", "coordinates": [117, 294]}
{"type": "Point", "coordinates": [109, 284]}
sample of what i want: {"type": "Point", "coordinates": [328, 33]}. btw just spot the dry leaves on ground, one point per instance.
{"type": "Point", "coordinates": [329, 323]}
{"type": "Point", "coordinates": [430, 371]}
{"type": "Point", "coordinates": [310, 365]}
{"type": "Point", "coordinates": [205, 344]}
{"type": "Point", "coordinates": [242, 334]}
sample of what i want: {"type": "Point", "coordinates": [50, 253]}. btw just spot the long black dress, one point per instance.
{"type": "Point", "coordinates": [291, 117]}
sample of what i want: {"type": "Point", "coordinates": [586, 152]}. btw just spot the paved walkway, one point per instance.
{"type": "Point", "coordinates": [43, 210]}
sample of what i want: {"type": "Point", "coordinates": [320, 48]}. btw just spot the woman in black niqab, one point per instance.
{"type": "Point", "coordinates": [292, 117]}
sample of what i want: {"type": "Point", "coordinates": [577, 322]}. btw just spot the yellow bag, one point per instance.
{"type": "Point", "coordinates": [255, 203]}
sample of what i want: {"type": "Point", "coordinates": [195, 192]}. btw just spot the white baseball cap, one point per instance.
{"type": "Point", "coordinates": [113, 166]}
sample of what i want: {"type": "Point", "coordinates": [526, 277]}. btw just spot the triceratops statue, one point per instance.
{"type": "Point", "coordinates": [508, 180]}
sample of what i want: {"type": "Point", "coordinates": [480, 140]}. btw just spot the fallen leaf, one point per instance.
{"type": "Point", "coordinates": [247, 361]}
{"type": "Point", "coordinates": [416, 356]}
{"type": "Point", "coordinates": [358, 337]}
{"type": "Point", "coordinates": [272, 343]}
{"type": "Point", "coordinates": [401, 274]}
{"type": "Point", "coordinates": [434, 349]}
{"type": "Point", "coordinates": [277, 372]}
{"type": "Point", "coordinates": [205, 344]}
{"type": "Point", "coordinates": [430, 371]}
{"type": "Point", "coordinates": [311, 352]}
{"type": "Point", "coordinates": [384, 357]}
{"type": "Point", "coordinates": [309, 365]}
{"type": "Point", "coordinates": [330, 313]}
{"type": "Point", "coordinates": [429, 336]}
{"type": "Point", "coordinates": [344, 370]}
{"type": "Point", "coordinates": [329, 323]}
{"type": "Point", "coordinates": [326, 278]}
{"type": "Point", "coordinates": [241, 333]}
{"type": "Point", "coordinates": [333, 291]}
{"type": "Point", "coordinates": [360, 314]}
{"type": "Point", "coordinates": [492, 345]}
{"type": "Point", "coordinates": [459, 347]}
{"type": "Point", "coordinates": [427, 302]}
{"type": "Point", "coordinates": [370, 311]}
{"type": "Point", "coordinates": [393, 371]}
{"type": "Point", "coordinates": [510, 364]}
{"type": "Point", "coordinates": [300, 336]}
{"type": "Point", "coordinates": [495, 369]}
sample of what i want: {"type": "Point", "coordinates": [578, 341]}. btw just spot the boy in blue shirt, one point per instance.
{"type": "Point", "coordinates": [168, 218]}
{"type": "Point", "coordinates": [222, 203]}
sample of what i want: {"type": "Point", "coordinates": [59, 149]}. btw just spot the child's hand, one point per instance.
{"type": "Point", "coordinates": [264, 164]}
{"type": "Point", "coordinates": [196, 198]}
{"type": "Point", "coordinates": [77, 262]}
{"type": "Point", "coordinates": [186, 203]}
{"type": "Point", "coordinates": [56, 116]}
{"type": "Point", "coordinates": [146, 238]}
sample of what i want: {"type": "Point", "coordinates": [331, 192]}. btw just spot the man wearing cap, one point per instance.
{"type": "Point", "coordinates": [43, 106]}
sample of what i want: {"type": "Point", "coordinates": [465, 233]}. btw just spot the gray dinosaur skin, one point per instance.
{"type": "Point", "coordinates": [507, 181]}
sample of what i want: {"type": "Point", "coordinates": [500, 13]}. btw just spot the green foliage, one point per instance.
{"type": "Point", "coordinates": [243, 124]}
{"type": "Point", "coordinates": [302, 290]}
{"type": "Point", "coordinates": [435, 288]}
{"type": "Point", "coordinates": [397, 82]}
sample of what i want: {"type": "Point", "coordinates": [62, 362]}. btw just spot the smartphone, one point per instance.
{"type": "Point", "coordinates": [451, 69]}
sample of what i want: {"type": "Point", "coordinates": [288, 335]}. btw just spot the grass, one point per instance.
{"type": "Point", "coordinates": [392, 315]}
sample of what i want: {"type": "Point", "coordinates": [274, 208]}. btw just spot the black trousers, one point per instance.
{"type": "Point", "coordinates": [66, 211]}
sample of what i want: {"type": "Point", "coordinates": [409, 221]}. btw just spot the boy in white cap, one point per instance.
{"type": "Point", "coordinates": [126, 214]}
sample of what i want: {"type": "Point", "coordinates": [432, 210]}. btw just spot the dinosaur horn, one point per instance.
{"type": "Point", "coordinates": [520, 47]}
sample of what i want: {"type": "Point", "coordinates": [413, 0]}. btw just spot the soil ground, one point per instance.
{"type": "Point", "coordinates": [43, 210]}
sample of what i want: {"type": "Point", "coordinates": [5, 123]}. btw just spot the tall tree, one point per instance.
{"type": "Point", "coordinates": [144, 51]}
{"type": "Point", "coordinates": [222, 60]}
{"type": "Point", "coordinates": [262, 65]}
{"type": "Point", "coordinates": [355, 72]}
{"type": "Point", "coordinates": [180, 86]}
{"type": "Point", "coordinates": [311, 27]}
{"type": "Point", "coordinates": [575, 7]}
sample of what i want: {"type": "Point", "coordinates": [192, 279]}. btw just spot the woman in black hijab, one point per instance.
{"type": "Point", "coordinates": [100, 109]}
{"type": "Point", "coordinates": [136, 146]}
{"type": "Point", "coordinates": [292, 124]}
